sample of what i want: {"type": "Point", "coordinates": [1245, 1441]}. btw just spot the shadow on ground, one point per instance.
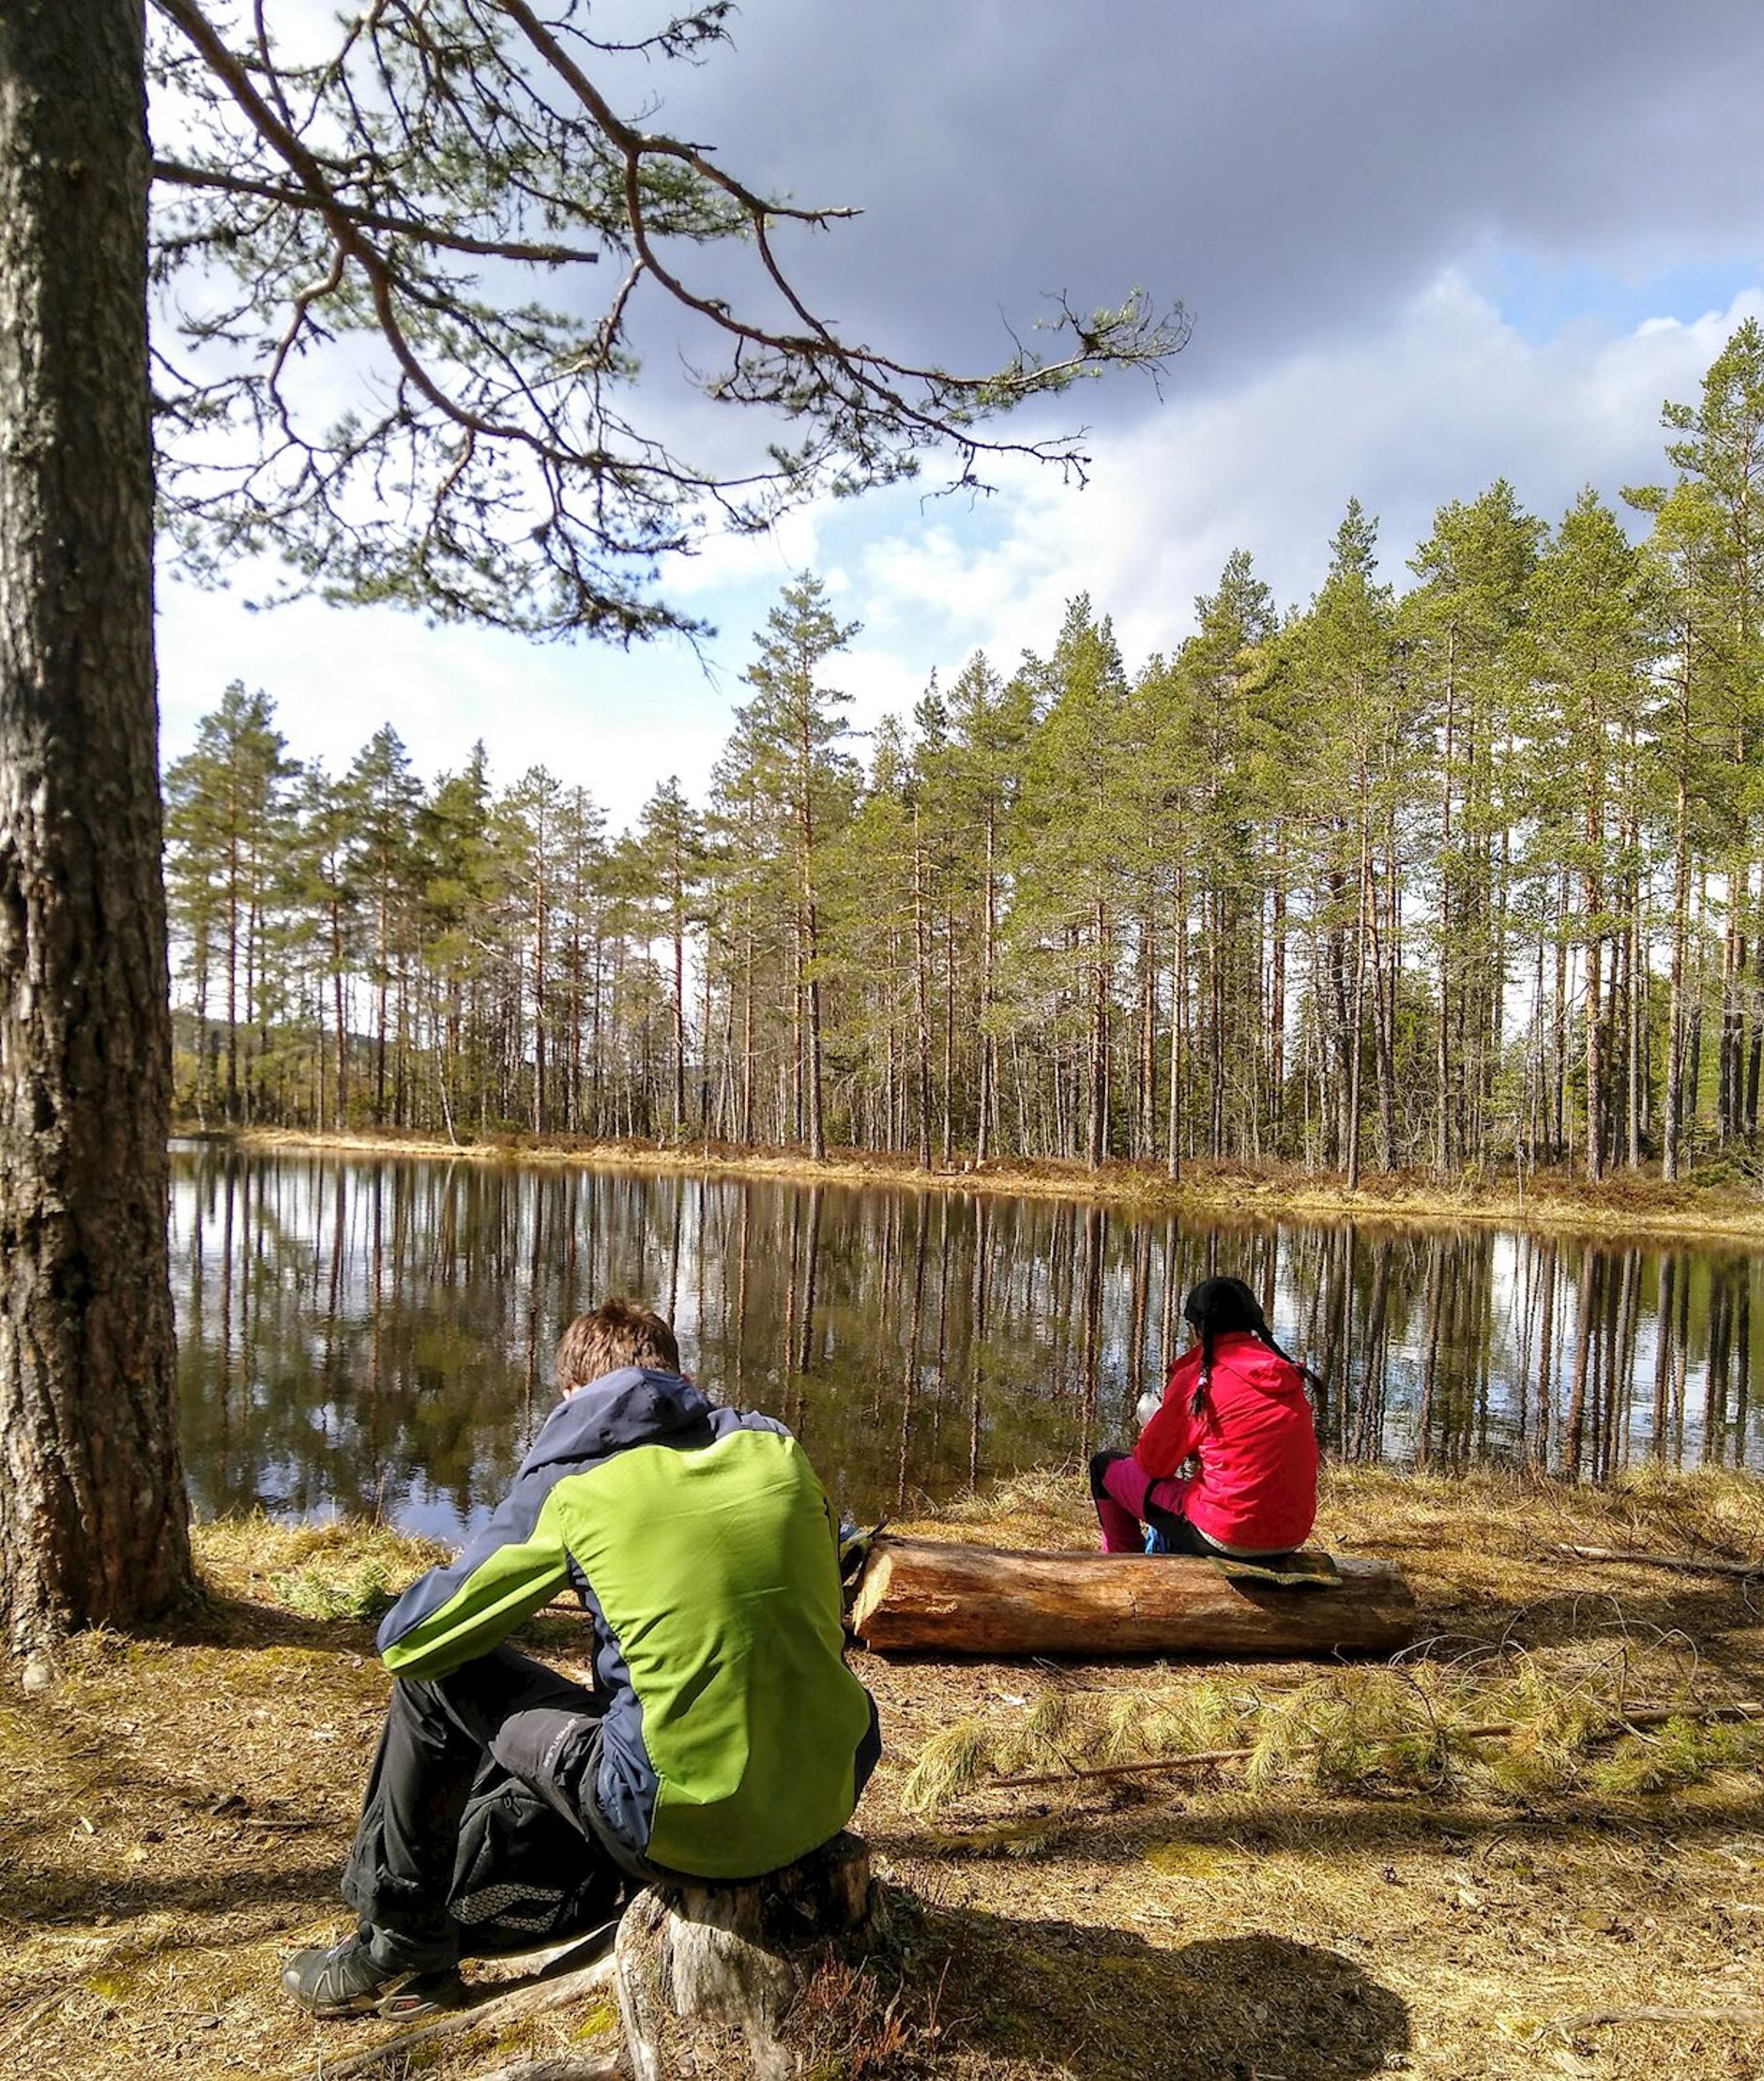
{"type": "Point", "coordinates": [1104, 2004]}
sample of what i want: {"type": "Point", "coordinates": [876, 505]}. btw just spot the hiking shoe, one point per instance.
{"type": "Point", "coordinates": [344, 1981]}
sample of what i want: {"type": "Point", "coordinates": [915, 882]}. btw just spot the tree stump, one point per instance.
{"type": "Point", "coordinates": [707, 1973]}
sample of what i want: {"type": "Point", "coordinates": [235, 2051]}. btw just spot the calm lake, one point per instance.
{"type": "Point", "coordinates": [376, 1334]}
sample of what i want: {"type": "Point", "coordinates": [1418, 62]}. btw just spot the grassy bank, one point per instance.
{"type": "Point", "coordinates": [1719, 1201]}
{"type": "Point", "coordinates": [1367, 1886]}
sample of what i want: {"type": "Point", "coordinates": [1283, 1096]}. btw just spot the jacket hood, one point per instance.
{"type": "Point", "coordinates": [632, 1407]}
{"type": "Point", "coordinates": [1250, 1360]}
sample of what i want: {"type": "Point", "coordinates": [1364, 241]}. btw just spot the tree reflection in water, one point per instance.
{"type": "Point", "coordinates": [377, 1334]}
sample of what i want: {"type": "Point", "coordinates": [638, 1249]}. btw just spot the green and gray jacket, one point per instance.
{"type": "Point", "coordinates": [734, 1740]}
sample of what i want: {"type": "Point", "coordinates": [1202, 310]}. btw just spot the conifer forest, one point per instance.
{"type": "Point", "coordinates": [1456, 872]}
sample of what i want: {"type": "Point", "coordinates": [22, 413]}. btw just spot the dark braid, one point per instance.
{"type": "Point", "coordinates": [1201, 1386]}
{"type": "Point", "coordinates": [1314, 1379]}
{"type": "Point", "coordinates": [1228, 1304]}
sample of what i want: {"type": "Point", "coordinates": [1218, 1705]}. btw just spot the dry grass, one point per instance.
{"type": "Point", "coordinates": [1721, 1204]}
{"type": "Point", "coordinates": [1373, 1890]}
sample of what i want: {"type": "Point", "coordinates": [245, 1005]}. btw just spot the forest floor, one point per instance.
{"type": "Point", "coordinates": [1367, 1886]}
{"type": "Point", "coordinates": [1716, 1199]}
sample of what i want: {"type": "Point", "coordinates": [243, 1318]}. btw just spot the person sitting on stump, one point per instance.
{"type": "Point", "coordinates": [1235, 1404]}
{"type": "Point", "coordinates": [723, 1739]}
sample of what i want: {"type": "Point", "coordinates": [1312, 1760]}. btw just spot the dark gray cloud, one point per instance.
{"type": "Point", "coordinates": [1309, 176]}
{"type": "Point", "coordinates": [1286, 167]}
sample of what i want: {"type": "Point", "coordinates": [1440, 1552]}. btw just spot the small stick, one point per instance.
{"type": "Point", "coordinates": [1596, 2019]}
{"type": "Point", "coordinates": [1639, 1716]}
{"type": "Point", "coordinates": [573, 2068]}
{"type": "Point", "coordinates": [532, 2000]}
{"type": "Point", "coordinates": [1686, 1564]}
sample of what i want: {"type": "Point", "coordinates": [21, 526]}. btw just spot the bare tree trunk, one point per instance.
{"type": "Point", "coordinates": [1443, 1147]}
{"type": "Point", "coordinates": [1637, 1006]}
{"type": "Point", "coordinates": [921, 1015]}
{"type": "Point", "coordinates": [679, 1016]}
{"type": "Point", "coordinates": [1672, 1127]}
{"type": "Point", "coordinates": [1277, 1004]}
{"type": "Point", "coordinates": [1594, 1024]}
{"type": "Point", "coordinates": [1096, 1138]}
{"type": "Point", "coordinates": [1178, 1000]}
{"type": "Point", "coordinates": [987, 1134]}
{"type": "Point", "coordinates": [1357, 1021]}
{"type": "Point", "coordinates": [1559, 1082]}
{"type": "Point", "coordinates": [92, 1521]}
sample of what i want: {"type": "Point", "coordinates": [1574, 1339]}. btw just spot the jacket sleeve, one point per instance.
{"type": "Point", "coordinates": [515, 1565]}
{"type": "Point", "coordinates": [1173, 1434]}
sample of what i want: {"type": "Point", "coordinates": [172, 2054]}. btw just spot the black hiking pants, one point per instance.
{"type": "Point", "coordinates": [479, 1829]}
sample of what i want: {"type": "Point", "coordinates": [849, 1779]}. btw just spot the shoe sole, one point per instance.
{"type": "Point", "coordinates": [397, 2006]}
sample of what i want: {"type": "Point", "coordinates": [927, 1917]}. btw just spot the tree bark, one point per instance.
{"type": "Point", "coordinates": [985, 1599]}
{"type": "Point", "coordinates": [93, 1520]}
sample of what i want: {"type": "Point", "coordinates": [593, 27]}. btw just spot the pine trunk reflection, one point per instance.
{"type": "Point", "coordinates": [377, 1334]}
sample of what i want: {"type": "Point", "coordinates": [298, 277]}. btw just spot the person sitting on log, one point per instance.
{"type": "Point", "coordinates": [723, 1739]}
{"type": "Point", "coordinates": [1235, 1404]}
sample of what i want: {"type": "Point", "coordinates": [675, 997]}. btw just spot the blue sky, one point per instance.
{"type": "Point", "coordinates": [1423, 246]}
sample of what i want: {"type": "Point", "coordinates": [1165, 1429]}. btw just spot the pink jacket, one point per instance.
{"type": "Point", "coordinates": [1253, 1438]}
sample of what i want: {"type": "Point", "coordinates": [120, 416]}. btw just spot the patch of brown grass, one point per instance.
{"type": "Point", "coordinates": [1383, 1891]}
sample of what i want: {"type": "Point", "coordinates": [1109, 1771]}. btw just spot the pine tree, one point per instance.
{"type": "Point", "coordinates": [224, 805]}
{"type": "Point", "coordinates": [1462, 625]}
{"type": "Point", "coordinates": [1344, 658]}
{"type": "Point", "coordinates": [990, 722]}
{"type": "Point", "coordinates": [672, 842]}
{"type": "Point", "coordinates": [91, 1510]}
{"type": "Point", "coordinates": [383, 794]}
{"type": "Point", "coordinates": [1720, 459]}
{"type": "Point", "coordinates": [793, 729]}
{"type": "Point", "coordinates": [1588, 649]}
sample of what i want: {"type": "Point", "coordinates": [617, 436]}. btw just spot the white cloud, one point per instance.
{"type": "Point", "coordinates": [1433, 408]}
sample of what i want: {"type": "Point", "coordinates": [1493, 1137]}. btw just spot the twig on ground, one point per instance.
{"type": "Point", "coordinates": [1683, 1564]}
{"type": "Point", "coordinates": [574, 2068]}
{"type": "Point", "coordinates": [1639, 1716]}
{"type": "Point", "coordinates": [1599, 2019]}
{"type": "Point", "coordinates": [531, 1999]}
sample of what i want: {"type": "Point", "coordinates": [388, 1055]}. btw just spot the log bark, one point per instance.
{"type": "Point", "coordinates": [708, 1974]}
{"type": "Point", "coordinates": [933, 1595]}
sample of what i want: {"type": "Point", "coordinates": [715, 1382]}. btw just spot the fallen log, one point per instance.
{"type": "Point", "coordinates": [933, 1595]}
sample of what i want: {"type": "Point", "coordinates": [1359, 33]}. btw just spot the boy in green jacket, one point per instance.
{"type": "Point", "coordinates": [724, 1737]}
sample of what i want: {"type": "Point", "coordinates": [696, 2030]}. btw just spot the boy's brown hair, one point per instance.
{"type": "Point", "coordinates": [616, 1333]}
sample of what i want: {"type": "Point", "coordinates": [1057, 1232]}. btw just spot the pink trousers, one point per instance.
{"type": "Point", "coordinates": [1127, 1489]}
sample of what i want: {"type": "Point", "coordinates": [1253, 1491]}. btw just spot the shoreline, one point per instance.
{"type": "Point", "coordinates": [1617, 1207]}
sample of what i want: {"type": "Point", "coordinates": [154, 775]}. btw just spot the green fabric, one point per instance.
{"type": "Point", "coordinates": [1303, 1570]}
{"type": "Point", "coordinates": [717, 1570]}
{"type": "Point", "coordinates": [511, 1583]}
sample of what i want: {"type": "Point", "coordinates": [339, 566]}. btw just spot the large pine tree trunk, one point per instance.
{"type": "Point", "coordinates": [92, 1509]}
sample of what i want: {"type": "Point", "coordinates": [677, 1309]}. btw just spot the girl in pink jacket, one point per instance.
{"type": "Point", "coordinates": [1235, 1406]}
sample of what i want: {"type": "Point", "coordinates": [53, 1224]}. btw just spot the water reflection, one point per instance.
{"type": "Point", "coordinates": [376, 1335]}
